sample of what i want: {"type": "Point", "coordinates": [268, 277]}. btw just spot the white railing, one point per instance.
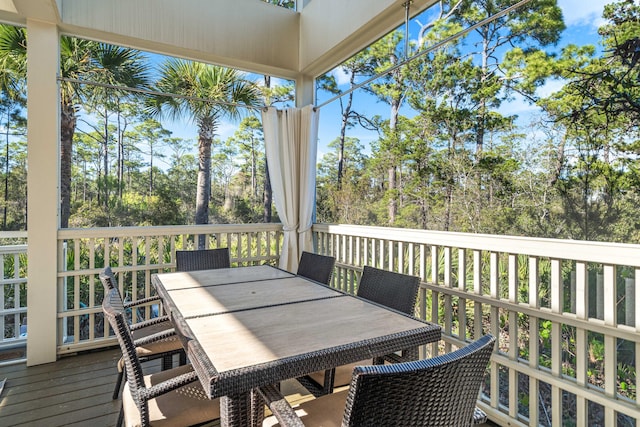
{"type": "Point", "coordinates": [564, 313]}
{"type": "Point", "coordinates": [134, 254]}
{"type": "Point", "coordinates": [13, 295]}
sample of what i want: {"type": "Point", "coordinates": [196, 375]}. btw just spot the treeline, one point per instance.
{"type": "Point", "coordinates": [459, 161]}
{"type": "Point", "coordinates": [448, 155]}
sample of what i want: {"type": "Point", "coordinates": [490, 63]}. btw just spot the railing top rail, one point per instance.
{"type": "Point", "coordinates": [68, 233]}
{"type": "Point", "coordinates": [13, 234]}
{"type": "Point", "coordinates": [579, 250]}
{"type": "Point", "coordinates": [13, 249]}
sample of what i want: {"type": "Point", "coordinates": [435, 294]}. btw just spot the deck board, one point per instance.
{"type": "Point", "coordinates": [75, 391]}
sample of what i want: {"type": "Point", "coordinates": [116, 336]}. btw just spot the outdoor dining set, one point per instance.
{"type": "Point", "coordinates": [238, 333]}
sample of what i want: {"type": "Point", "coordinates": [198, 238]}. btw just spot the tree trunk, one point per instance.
{"type": "Point", "coordinates": [6, 174]}
{"type": "Point", "coordinates": [151, 169]}
{"type": "Point", "coordinates": [392, 170]}
{"type": "Point", "coordinates": [203, 191]}
{"type": "Point", "coordinates": [105, 159]}
{"type": "Point", "coordinates": [343, 131]}
{"type": "Point", "coordinates": [268, 195]}
{"type": "Point", "coordinates": [120, 159]}
{"type": "Point", "coordinates": [67, 129]}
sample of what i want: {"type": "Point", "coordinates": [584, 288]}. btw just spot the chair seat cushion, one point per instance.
{"type": "Point", "coordinates": [326, 411]}
{"type": "Point", "coordinates": [185, 406]}
{"type": "Point", "coordinates": [166, 345]}
{"type": "Point", "coordinates": [151, 329]}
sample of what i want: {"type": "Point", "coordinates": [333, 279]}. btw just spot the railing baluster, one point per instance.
{"type": "Point", "coordinates": [462, 302]}
{"type": "Point", "coordinates": [582, 312]}
{"type": "Point", "coordinates": [534, 338]}
{"type": "Point", "coordinates": [556, 339]}
{"type": "Point", "coordinates": [610, 341]}
{"type": "Point", "coordinates": [513, 334]}
{"type": "Point", "coordinates": [477, 290]}
{"type": "Point", "coordinates": [3, 303]}
{"type": "Point", "coordinates": [447, 300]}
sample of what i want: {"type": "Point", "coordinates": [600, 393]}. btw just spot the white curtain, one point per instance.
{"type": "Point", "coordinates": [290, 139]}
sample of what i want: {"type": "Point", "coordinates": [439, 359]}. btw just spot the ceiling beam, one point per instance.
{"type": "Point", "coordinates": [250, 35]}
{"type": "Point", "coordinates": [332, 31]}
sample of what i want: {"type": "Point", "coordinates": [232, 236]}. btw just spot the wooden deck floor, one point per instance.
{"type": "Point", "coordinates": [75, 391]}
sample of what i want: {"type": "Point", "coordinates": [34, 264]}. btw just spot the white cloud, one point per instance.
{"type": "Point", "coordinates": [549, 87]}
{"type": "Point", "coordinates": [583, 12]}
{"type": "Point", "coordinates": [342, 77]}
{"type": "Point", "coordinates": [522, 107]}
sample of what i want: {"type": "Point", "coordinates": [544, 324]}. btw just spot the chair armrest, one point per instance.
{"type": "Point", "coordinates": [150, 322]}
{"type": "Point", "coordinates": [170, 384]}
{"type": "Point", "coordinates": [158, 336]}
{"type": "Point", "coordinates": [280, 408]}
{"type": "Point", "coordinates": [138, 302]}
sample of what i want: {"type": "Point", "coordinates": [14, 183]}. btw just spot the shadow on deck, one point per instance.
{"type": "Point", "coordinates": [76, 391]}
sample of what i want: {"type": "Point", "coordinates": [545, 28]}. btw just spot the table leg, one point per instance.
{"type": "Point", "coordinates": [257, 409]}
{"type": "Point", "coordinates": [241, 410]}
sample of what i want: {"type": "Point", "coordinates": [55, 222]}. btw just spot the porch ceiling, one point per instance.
{"type": "Point", "coordinates": [246, 34]}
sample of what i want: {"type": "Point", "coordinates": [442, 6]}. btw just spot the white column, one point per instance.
{"type": "Point", "coordinates": [305, 90]}
{"type": "Point", "coordinates": [43, 199]}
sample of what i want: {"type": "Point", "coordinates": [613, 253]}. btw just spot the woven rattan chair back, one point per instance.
{"type": "Point", "coordinates": [316, 267]}
{"type": "Point", "coordinates": [114, 311]}
{"type": "Point", "coordinates": [109, 282]}
{"type": "Point", "coordinates": [394, 290]}
{"type": "Point", "coordinates": [203, 259]}
{"type": "Point", "coordinates": [143, 329]}
{"type": "Point", "coordinates": [440, 391]}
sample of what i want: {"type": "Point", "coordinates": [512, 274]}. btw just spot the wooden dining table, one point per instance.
{"type": "Point", "coordinates": [247, 327]}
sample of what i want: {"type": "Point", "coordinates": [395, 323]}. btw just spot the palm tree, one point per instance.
{"type": "Point", "coordinates": [79, 60]}
{"type": "Point", "coordinates": [207, 93]}
{"type": "Point", "coordinates": [94, 62]}
{"type": "Point", "coordinates": [13, 79]}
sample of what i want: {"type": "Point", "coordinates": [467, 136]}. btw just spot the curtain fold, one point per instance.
{"type": "Point", "coordinates": [290, 139]}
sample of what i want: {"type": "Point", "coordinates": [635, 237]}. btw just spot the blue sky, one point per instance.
{"type": "Point", "coordinates": [582, 19]}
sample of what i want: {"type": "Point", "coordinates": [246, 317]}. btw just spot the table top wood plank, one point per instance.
{"type": "Point", "coordinates": [220, 276]}
{"type": "Point", "coordinates": [253, 337]}
{"type": "Point", "coordinates": [246, 327]}
{"type": "Point", "coordinates": [211, 300]}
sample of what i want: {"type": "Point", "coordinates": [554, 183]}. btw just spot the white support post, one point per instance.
{"type": "Point", "coordinates": [305, 90]}
{"type": "Point", "coordinates": [43, 200]}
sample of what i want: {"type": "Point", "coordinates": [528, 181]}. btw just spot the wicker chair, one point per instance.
{"type": "Point", "coordinates": [393, 290]}
{"type": "Point", "coordinates": [316, 267]}
{"type": "Point", "coordinates": [155, 338]}
{"type": "Point", "coordinates": [441, 391]}
{"type": "Point", "coordinates": [203, 259]}
{"type": "Point", "coordinates": [169, 398]}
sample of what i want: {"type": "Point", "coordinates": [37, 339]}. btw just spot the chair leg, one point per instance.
{"type": "Point", "coordinates": [116, 390]}
{"type": "Point", "coordinates": [311, 385]}
{"type": "Point", "coordinates": [329, 377]}
{"type": "Point", "coordinates": [120, 416]}
{"type": "Point", "coordinates": [167, 362]}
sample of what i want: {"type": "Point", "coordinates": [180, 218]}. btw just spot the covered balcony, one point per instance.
{"type": "Point", "coordinates": [564, 311]}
